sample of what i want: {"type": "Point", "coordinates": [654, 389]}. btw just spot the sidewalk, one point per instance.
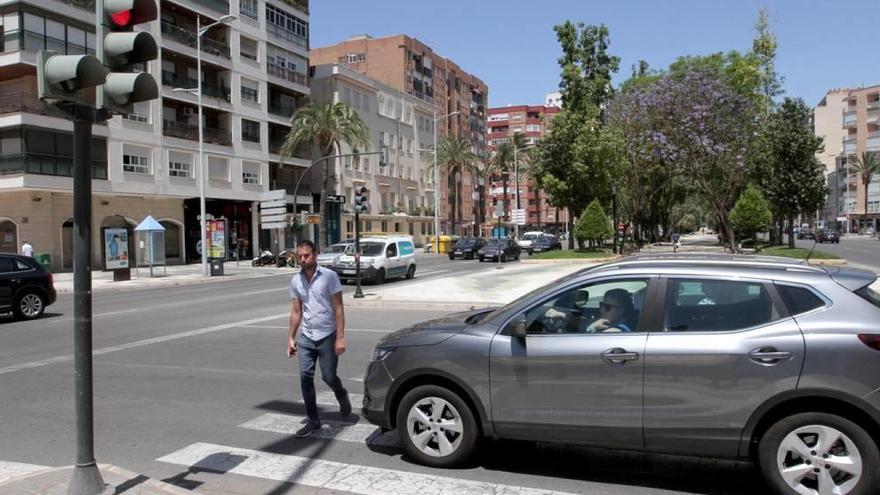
{"type": "Point", "coordinates": [172, 276]}
{"type": "Point", "coordinates": [54, 481]}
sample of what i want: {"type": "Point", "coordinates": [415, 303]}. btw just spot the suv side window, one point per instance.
{"type": "Point", "coordinates": [6, 265]}
{"type": "Point", "coordinates": [799, 300]}
{"type": "Point", "coordinates": [391, 250]}
{"type": "Point", "coordinates": [696, 305]}
{"type": "Point", "coordinates": [606, 306]}
{"type": "Point", "coordinates": [22, 266]}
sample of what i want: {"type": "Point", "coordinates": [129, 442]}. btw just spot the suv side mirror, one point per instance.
{"type": "Point", "coordinates": [518, 326]}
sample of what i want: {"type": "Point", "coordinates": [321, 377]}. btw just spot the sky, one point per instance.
{"type": "Point", "coordinates": [510, 44]}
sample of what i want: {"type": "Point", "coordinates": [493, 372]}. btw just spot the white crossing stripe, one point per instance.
{"type": "Point", "coordinates": [331, 475]}
{"type": "Point", "coordinates": [9, 470]}
{"type": "Point", "coordinates": [330, 429]}
{"type": "Point", "coordinates": [328, 399]}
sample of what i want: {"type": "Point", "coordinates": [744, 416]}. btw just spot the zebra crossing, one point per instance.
{"type": "Point", "coordinates": [326, 474]}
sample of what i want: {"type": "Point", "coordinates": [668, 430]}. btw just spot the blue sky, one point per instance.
{"type": "Point", "coordinates": [512, 47]}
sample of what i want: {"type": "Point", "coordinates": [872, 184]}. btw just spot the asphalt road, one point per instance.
{"type": "Point", "coordinates": [193, 386]}
{"type": "Point", "coordinates": [858, 251]}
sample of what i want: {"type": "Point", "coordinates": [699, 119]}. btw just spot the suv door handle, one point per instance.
{"type": "Point", "coordinates": [618, 355]}
{"type": "Point", "coordinates": [769, 355]}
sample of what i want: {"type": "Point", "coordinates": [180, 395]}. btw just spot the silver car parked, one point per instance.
{"type": "Point", "coordinates": [713, 356]}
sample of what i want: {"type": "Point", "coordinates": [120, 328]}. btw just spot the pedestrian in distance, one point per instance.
{"type": "Point", "coordinates": [27, 249]}
{"type": "Point", "coordinates": [317, 332]}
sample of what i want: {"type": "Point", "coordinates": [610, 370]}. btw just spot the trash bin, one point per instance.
{"type": "Point", "coordinates": [216, 267]}
{"type": "Point", "coordinates": [446, 243]}
{"type": "Point", "coordinates": [44, 260]}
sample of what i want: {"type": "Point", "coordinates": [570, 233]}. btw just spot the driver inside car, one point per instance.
{"type": "Point", "coordinates": [614, 312]}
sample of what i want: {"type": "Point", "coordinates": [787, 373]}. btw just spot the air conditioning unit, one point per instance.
{"type": "Point", "coordinates": [189, 111]}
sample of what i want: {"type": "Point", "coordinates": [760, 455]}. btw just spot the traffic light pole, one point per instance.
{"type": "Point", "coordinates": [358, 293]}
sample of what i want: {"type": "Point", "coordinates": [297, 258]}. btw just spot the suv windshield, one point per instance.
{"type": "Point", "coordinates": [335, 248]}
{"type": "Point", "coordinates": [494, 242]}
{"type": "Point", "coordinates": [529, 237]}
{"type": "Point", "coordinates": [466, 243]}
{"type": "Point", "coordinates": [367, 248]}
{"type": "Point", "coordinates": [871, 293]}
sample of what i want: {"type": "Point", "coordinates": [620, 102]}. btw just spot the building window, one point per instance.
{"type": "Point", "coordinates": [140, 113]}
{"type": "Point", "coordinates": [218, 168]}
{"type": "Point", "coordinates": [249, 91]}
{"type": "Point", "coordinates": [250, 131]}
{"type": "Point", "coordinates": [287, 26]}
{"type": "Point", "coordinates": [533, 128]}
{"type": "Point", "coordinates": [137, 164]}
{"type": "Point", "coordinates": [178, 169]}
{"type": "Point", "coordinates": [248, 8]}
{"type": "Point", "coordinates": [250, 173]}
{"type": "Point", "coordinates": [248, 48]}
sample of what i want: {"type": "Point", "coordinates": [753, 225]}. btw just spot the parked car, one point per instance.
{"type": "Point", "coordinates": [330, 254]}
{"type": "Point", "coordinates": [740, 357]}
{"type": "Point", "coordinates": [828, 236]}
{"type": "Point", "coordinates": [381, 258]}
{"type": "Point", "coordinates": [544, 243]}
{"type": "Point", "coordinates": [527, 237]}
{"type": "Point", "coordinates": [467, 248]}
{"type": "Point", "coordinates": [806, 234]}
{"type": "Point", "coordinates": [499, 247]}
{"type": "Point", "coordinates": [26, 288]}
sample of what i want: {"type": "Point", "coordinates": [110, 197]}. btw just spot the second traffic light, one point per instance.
{"type": "Point", "coordinates": [361, 199]}
{"type": "Point", "coordinates": [121, 50]}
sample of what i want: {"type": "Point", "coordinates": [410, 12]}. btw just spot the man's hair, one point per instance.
{"type": "Point", "coordinates": [307, 243]}
{"type": "Point", "coordinates": [620, 296]}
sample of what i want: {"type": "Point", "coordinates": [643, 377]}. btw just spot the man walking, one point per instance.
{"type": "Point", "coordinates": [27, 249]}
{"type": "Point", "coordinates": [316, 311]}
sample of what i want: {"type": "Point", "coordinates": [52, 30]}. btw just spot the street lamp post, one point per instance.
{"type": "Point", "coordinates": [200, 31]}
{"type": "Point", "coordinates": [437, 183]}
{"type": "Point", "coordinates": [516, 179]}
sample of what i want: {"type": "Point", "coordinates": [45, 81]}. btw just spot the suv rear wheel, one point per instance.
{"type": "Point", "coordinates": [819, 453]}
{"type": "Point", "coordinates": [29, 306]}
{"type": "Point", "coordinates": [436, 427]}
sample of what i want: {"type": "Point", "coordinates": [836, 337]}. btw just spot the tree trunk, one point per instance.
{"type": "Point", "coordinates": [570, 232]}
{"type": "Point", "coordinates": [326, 185]}
{"type": "Point", "coordinates": [452, 230]}
{"type": "Point", "coordinates": [504, 200]}
{"type": "Point", "coordinates": [791, 231]}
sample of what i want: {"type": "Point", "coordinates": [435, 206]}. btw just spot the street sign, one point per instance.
{"type": "Point", "coordinates": [273, 204]}
{"type": "Point", "coordinates": [313, 219]}
{"type": "Point", "coordinates": [336, 198]}
{"type": "Point", "coordinates": [274, 225]}
{"type": "Point", "coordinates": [273, 218]}
{"type": "Point", "coordinates": [518, 216]}
{"type": "Point", "coordinates": [499, 210]}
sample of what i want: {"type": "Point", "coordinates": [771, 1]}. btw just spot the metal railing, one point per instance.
{"type": "Point", "coordinates": [282, 109]}
{"type": "Point", "coordinates": [42, 164]}
{"type": "Point", "coordinates": [188, 38]}
{"type": "Point", "coordinates": [174, 80]}
{"type": "Point", "coordinates": [287, 74]}
{"type": "Point", "coordinates": [218, 5]}
{"type": "Point", "coordinates": [185, 130]}
{"type": "Point", "coordinates": [284, 34]}
{"type": "Point", "coordinates": [302, 5]}
{"type": "Point", "coordinates": [82, 4]}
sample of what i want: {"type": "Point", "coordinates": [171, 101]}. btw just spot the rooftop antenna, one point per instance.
{"type": "Point", "coordinates": [807, 259]}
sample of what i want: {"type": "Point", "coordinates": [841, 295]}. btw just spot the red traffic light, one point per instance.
{"type": "Point", "coordinates": [122, 18]}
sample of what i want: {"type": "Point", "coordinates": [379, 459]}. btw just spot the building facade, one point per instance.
{"type": "Point", "coordinates": [532, 121]}
{"type": "Point", "coordinates": [849, 119]}
{"type": "Point", "coordinates": [401, 193]}
{"type": "Point", "coordinates": [254, 76]}
{"type": "Point", "coordinates": [408, 65]}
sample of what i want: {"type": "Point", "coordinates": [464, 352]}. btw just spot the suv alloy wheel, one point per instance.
{"type": "Point", "coordinates": [436, 427]}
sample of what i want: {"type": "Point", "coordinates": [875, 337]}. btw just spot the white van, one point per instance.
{"type": "Point", "coordinates": [381, 258]}
{"type": "Point", "coordinates": [526, 239]}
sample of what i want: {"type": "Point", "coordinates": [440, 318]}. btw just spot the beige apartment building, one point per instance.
{"type": "Point", "coordinates": [849, 119]}
{"type": "Point", "coordinates": [406, 64]}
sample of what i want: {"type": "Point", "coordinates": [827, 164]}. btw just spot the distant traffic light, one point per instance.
{"type": "Point", "coordinates": [122, 50]}
{"type": "Point", "coordinates": [361, 199]}
{"type": "Point", "coordinates": [383, 158]}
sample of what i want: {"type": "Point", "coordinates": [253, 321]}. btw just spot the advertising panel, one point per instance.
{"type": "Point", "coordinates": [216, 235]}
{"type": "Point", "coordinates": [115, 249]}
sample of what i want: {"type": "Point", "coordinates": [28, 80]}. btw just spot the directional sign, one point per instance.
{"type": "Point", "coordinates": [315, 219]}
{"type": "Point", "coordinates": [269, 226]}
{"type": "Point", "coordinates": [273, 211]}
{"type": "Point", "coordinates": [518, 216]}
{"type": "Point", "coordinates": [273, 204]}
{"type": "Point", "coordinates": [273, 218]}
{"type": "Point", "coordinates": [337, 198]}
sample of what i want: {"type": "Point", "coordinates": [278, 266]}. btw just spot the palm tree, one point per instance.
{"type": "Point", "coordinates": [327, 126]}
{"type": "Point", "coordinates": [502, 166]}
{"type": "Point", "coordinates": [482, 170]}
{"type": "Point", "coordinates": [455, 154]}
{"type": "Point", "coordinates": [865, 167]}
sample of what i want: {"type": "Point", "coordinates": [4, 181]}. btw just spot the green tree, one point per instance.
{"type": "Point", "coordinates": [502, 167]}
{"type": "Point", "coordinates": [593, 225]}
{"type": "Point", "coordinates": [751, 214]}
{"type": "Point", "coordinates": [455, 155]}
{"type": "Point", "coordinates": [326, 126]}
{"type": "Point", "coordinates": [865, 166]}
{"type": "Point", "coordinates": [794, 180]}
{"type": "Point", "coordinates": [764, 48]}
{"type": "Point", "coordinates": [586, 65]}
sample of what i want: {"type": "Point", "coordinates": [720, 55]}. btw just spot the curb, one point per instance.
{"type": "Point", "coordinates": [833, 262]}
{"type": "Point", "coordinates": [134, 284]}
{"type": "Point", "coordinates": [571, 260]}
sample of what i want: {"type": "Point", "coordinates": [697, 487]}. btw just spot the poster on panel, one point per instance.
{"type": "Point", "coordinates": [115, 249]}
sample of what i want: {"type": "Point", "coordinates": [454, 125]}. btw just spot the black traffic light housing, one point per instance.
{"type": "Point", "coordinates": [361, 199]}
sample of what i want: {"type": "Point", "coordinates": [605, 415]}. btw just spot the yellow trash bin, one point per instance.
{"type": "Point", "coordinates": [446, 243]}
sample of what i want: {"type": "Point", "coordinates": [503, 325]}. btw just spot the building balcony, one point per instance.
{"type": "Point", "coordinates": [287, 75]}
{"type": "Point", "coordinates": [849, 120]}
{"type": "Point", "coordinates": [25, 103]}
{"type": "Point", "coordinates": [301, 5]}
{"type": "Point", "coordinates": [873, 141]}
{"type": "Point", "coordinates": [221, 6]}
{"type": "Point", "coordinates": [188, 131]}
{"type": "Point", "coordinates": [285, 35]}
{"type": "Point", "coordinates": [177, 81]}
{"type": "Point", "coordinates": [873, 117]}
{"type": "Point", "coordinates": [872, 104]}
{"type": "Point", "coordinates": [849, 146]}
{"type": "Point", "coordinates": [36, 163]}
{"type": "Point", "coordinates": [188, 38]}
{"type": "Point", "coordinates": [282, 109]}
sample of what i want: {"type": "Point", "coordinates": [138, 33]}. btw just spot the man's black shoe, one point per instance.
{"type": "Point", "coordinates": [309, 428]}
{"type": "Point", "coordinates": [345, 406]}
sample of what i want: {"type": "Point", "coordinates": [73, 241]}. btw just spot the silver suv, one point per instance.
{"type": "Point", "coordinates": [716, 356]}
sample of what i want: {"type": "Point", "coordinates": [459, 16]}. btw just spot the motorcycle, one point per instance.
{"type": "Point", "coordinates": [286, 258]}
{"type": "Point", "coordinates": [266, 258]}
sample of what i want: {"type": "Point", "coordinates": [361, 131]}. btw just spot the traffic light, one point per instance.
{"type": "Point", "coordinates": [383, 158]}
{"type": "Point", "coordinates": [361, 199]}
{"type": "Point", "coordinates": [121, 49]}
{"type": "Point", "coordinates": [63, 77]}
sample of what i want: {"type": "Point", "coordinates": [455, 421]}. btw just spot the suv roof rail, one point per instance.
{"type": "Point", "coordinates": [744, 261]}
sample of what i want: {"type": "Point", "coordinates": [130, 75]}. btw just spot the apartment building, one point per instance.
{"type": "Point", "coordinates": [532, 121]}
{"type": "Point", "coordinates": [254, 76]}
{"type": "Point", "coordinates": [849, 119]}
{"type": "Point", "coordinates": [406, 64]}
{"type": "Point", "coordinates": [401, 193]}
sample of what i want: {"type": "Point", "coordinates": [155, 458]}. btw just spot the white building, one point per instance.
{"type": "Point", "coordinates": [401, 193]}
{"type": "Point", "coordinates": [553, 99]}
{"type": "Point", "coordinates": [254, 76]}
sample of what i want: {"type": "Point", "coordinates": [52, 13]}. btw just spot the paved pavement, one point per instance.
{"type": "Point", "coordinates": [192, 387]}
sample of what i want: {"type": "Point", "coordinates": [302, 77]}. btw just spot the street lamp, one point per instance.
{"type": "Point", "coordinates": [200, 31]}
{"type": "Point", "coordinates": [516, 179]}
{"type": "Point", "coordinates": [437, 183]}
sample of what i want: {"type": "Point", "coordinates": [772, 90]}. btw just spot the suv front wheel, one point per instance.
{"type": "Point", "coordinates": [436, 427]}
{"type": "Point", "coordinates": [819, 453]}
{"type": "Point", "coordinates": [29, 306]}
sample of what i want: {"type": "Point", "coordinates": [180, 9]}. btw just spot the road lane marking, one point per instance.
{"type": "Point", "coordinates": [9, 470]}
{"type": "Point", "coordinates": [288, 424]}
{"type": "Point", "coordinates": [285, 327]}
{"type": "Point", "coordinates": [331, 475]}
{"type": "Point", "coordinates": [141, 343]}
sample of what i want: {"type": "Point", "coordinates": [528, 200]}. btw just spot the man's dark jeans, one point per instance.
{"type": "Point", "coordinates": [323, 351]}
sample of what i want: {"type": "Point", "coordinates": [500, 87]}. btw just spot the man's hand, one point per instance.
{"type": "Point", "coordinates": [291, 346]}
{"type": "Point", "coordinates": [599, 325]}
{"type": "Point", "coordinates": [340, 346]}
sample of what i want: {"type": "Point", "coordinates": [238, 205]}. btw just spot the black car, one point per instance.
{"type": "Point", "coordinates": [504, 248]}
{"type": "Point", "coordinates": [544, 243]}
{"type": "Point", "coordinates": [828, 236]}
{"type": "Point", "coordinates": [467, 248]}
{"type": "Point", "coordinates": [25, 287]}
{"type": "Point", "coordinates": [806, 234]}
